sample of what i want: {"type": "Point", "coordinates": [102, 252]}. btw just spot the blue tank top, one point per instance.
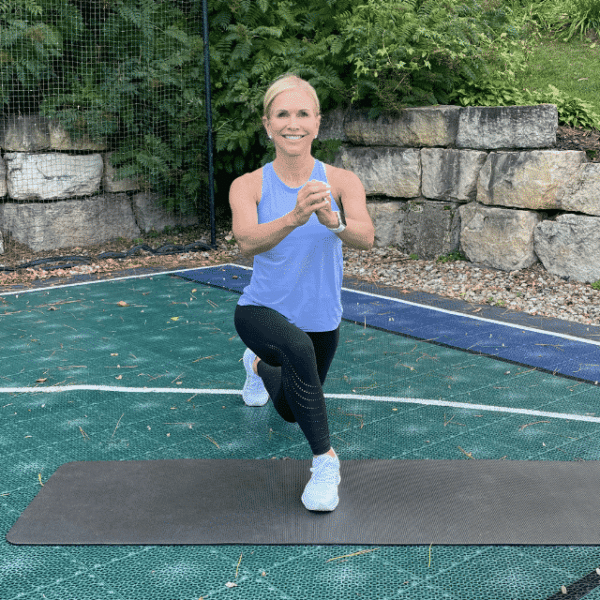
{"type": "Point", "coordinates": [301, 277]}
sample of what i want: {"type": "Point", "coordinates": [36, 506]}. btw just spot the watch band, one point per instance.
{"type": "Point", "coordinates": [340, 226]}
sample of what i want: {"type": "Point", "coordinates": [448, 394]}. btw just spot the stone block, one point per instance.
{"type": "Point", "coordinates": [451, 174]}
{"type": "Point", "coordinates": [60, 139]}
{"type": "Point", "coordinates": [415, 127]}
{"type": "Point", "coordinates": [531, 179]}
{"type": "Point", "coordinates": [332, 125]}
{"type": "Point", "coordinates": [52, 176]}
{"type": "Point", "coordinates": [392, 172]}
{"type": "Point", "coordinates": [112, 185]}
{"type": "Point", "coordinates": [24, 133]}
{"type": "Point", "coordinates": [388, 220]}
{"type": "Point", "coordinates": [151, 215]}
{"type": "Point", "coordinates": [1, 243]}
{"type": "Point", "coordinates": [431, 228]}
{"type": "Point", "coordinates": [69, 223]}
{"type": "Point", "coordinates": [582, 193]}
{"type": "Point", "coordinates": [3, 171]}
{"type": "Point", "coordinates": [570, 247]}
{"type": "Point", "coordinates": [495, 127]}
{"type": "Point", "coordinates": [34, 133]}
{"type": "Point", "coordinates": [498, 237]}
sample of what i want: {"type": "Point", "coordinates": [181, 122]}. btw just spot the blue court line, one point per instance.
{"type": "Point", "coordinates": [555, 353]}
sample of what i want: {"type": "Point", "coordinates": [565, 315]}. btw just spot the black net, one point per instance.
{"type": "Point", "coordinates": [103, 128]}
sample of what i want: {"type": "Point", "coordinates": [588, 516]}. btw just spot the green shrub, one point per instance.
{"type": "Point", "coordinates": [414, 52]}
{"type": "Point", "coordinates": [252, 43]}
{"type": "Point", "coordinates": [571, 111]}
{"type": "Point", "coordinates": [596, 285]}
{"type": "Point", "coordinates": [452, 257]}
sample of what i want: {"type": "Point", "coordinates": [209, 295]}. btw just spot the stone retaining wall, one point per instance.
{"type": "Point", "coordinates": [59, 193]}
{"type": "Point", "coordinates": [482, 180]}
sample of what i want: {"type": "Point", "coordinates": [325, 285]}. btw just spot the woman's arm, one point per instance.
{"type": "Point", "coordinates": [346, 186]}
{"type": "Point", "coordinates": [254, 238]}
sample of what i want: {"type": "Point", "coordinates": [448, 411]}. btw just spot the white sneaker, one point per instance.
{"type": "Point", "coordinates": [254, 392]}
{"type": "Point", "coordinates": [321, 492]}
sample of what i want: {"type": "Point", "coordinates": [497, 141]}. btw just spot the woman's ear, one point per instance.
{"type": "Point", "coordinates": [265, 121]}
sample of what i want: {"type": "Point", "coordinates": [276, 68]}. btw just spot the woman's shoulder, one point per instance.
{"type": "Point", "coordinates": [249, 184]}
{"type": "Point", "coordinates": [250, 179]}
{"type": "Point", "coordinates": [341, 178]}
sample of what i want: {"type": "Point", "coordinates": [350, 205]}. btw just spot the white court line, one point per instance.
{"type": "Point", "coordinates": [452, 312]}
{"type": "Point", "coordinates": [68, 285]}
{"type": "Point", "coordinates": [371, 295]}
{"type": "Point", "coordinates": [224, 392]}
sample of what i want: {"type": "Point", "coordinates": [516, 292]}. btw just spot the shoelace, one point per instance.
{"type": "Point", "coordinates": [326, 473]}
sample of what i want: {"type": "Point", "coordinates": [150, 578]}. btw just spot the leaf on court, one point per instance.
{"type": "Point", "coordinates": [122, 303]}
{"type": "Point", "coordinates": [41, 380]}
{"type": "Point", "coordinates": [175, 318]}
{"type": "Point", "coordinates": [119, 377]}
{"type": "Point", "coordinates": [229, 584]}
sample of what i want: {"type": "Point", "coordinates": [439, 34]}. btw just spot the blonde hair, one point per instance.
{"type": "Point", "coordinates": [286, 82]}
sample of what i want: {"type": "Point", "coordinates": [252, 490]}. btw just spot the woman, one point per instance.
{"type": "Point", "coordinates": [288, 215]}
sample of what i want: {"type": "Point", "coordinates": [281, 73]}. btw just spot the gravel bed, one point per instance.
{"type": "Point", "coordinates": [533, 290]}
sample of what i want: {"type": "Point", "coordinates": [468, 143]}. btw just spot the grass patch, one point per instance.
{"type": "Point", "coordinates": [570, 66]}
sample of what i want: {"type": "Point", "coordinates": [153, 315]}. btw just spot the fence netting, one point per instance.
{"type": "Point", "coordinates": [103, 123]}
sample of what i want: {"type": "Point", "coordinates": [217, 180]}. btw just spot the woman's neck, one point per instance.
{"type": "Point", "coordinates": [294, 171]}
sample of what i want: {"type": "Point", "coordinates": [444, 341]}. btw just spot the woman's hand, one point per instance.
{"type": "Point", "coordinates": [313, 197]}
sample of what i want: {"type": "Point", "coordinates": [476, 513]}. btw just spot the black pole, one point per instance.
{"type": "Point", "coordinates": [209, 135]}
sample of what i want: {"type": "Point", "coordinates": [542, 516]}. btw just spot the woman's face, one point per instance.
{"type": "Point", "coordinates": [293, 123]}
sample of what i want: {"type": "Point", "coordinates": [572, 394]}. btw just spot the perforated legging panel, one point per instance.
{"type": "Point", "coordinates": [293, 366]}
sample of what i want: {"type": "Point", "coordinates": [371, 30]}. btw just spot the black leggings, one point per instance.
{"type": "Point", "coordinates": [293, 367]}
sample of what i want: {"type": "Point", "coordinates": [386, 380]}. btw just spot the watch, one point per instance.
{"type": "Point", "coordinates": [340, 227]}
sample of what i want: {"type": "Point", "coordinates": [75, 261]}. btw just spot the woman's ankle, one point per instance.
{"type": "Point", "coordinates": [330, 452]}
{"type": "Point", "coordinates": [255, 365]}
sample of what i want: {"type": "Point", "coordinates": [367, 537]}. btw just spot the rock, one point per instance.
{"type": "Point", "coordinates": [332, 125]}
{"type": "Point", "coordinates": [529, 180]}
{"type": "Point", "coordinates": [494, 127]}
{"type": "Point", "coordinates": [151, 215]}
{"type": "Point", "coordinates": [3, 188]}
{"type": "Point", "coordinates": [34, 133]}
{"type": "Point", "coordinates": [582, 192]}
{"type": "Point", "coordinates": [60, 139]}
{"type": "Point", "coordinates": [53, 225]}
{"type": "Point", "coordinates": [392, 172]}
{"type": "Point", "coordinates": [451, 174]}
{"type": "Point", "coordinates": [570, 247]}
{"type": "Point", "coordinates": [431, 229]}
{"type": "Point", "coordinates": [52, 176]}
{"type": "Point", "coordinates": [498, 237]}
{"type": "Point", "coordinates": [25, 134]}
{"type": "Point", "coordinates": [388, 220]}
{"type": "Point", "coordinates": [112, 185]}
{"type": "Point", "coordinates": [425, 126]}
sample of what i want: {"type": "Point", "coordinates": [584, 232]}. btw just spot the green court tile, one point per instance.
{"type": "Point", "coordinates": [83, 587]}
{"type": "Point", "coordinates": [501, 574]}
{"type": "Point", "coordinates": [16, 437]}
{"type": "Point", "coordinates": [167, 572]}
{"type": "Point", "coordinates": [574, 562]}
{"type": "Point", "coordinates": [580, 399]}
{"type": "Point", "coordinates": [22, 572]}
{"type": "Point", "coordinates": [364, 576]}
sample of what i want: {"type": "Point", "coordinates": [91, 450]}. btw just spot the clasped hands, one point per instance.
{"type": "Point", "coordinates": [315, 197]}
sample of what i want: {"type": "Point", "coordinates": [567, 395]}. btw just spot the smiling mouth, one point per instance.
{"type": "Point", "coordinates": [293, 137]}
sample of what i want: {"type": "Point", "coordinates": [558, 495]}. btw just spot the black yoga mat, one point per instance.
{"type": "Point", "coordinates": [258, 502]}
